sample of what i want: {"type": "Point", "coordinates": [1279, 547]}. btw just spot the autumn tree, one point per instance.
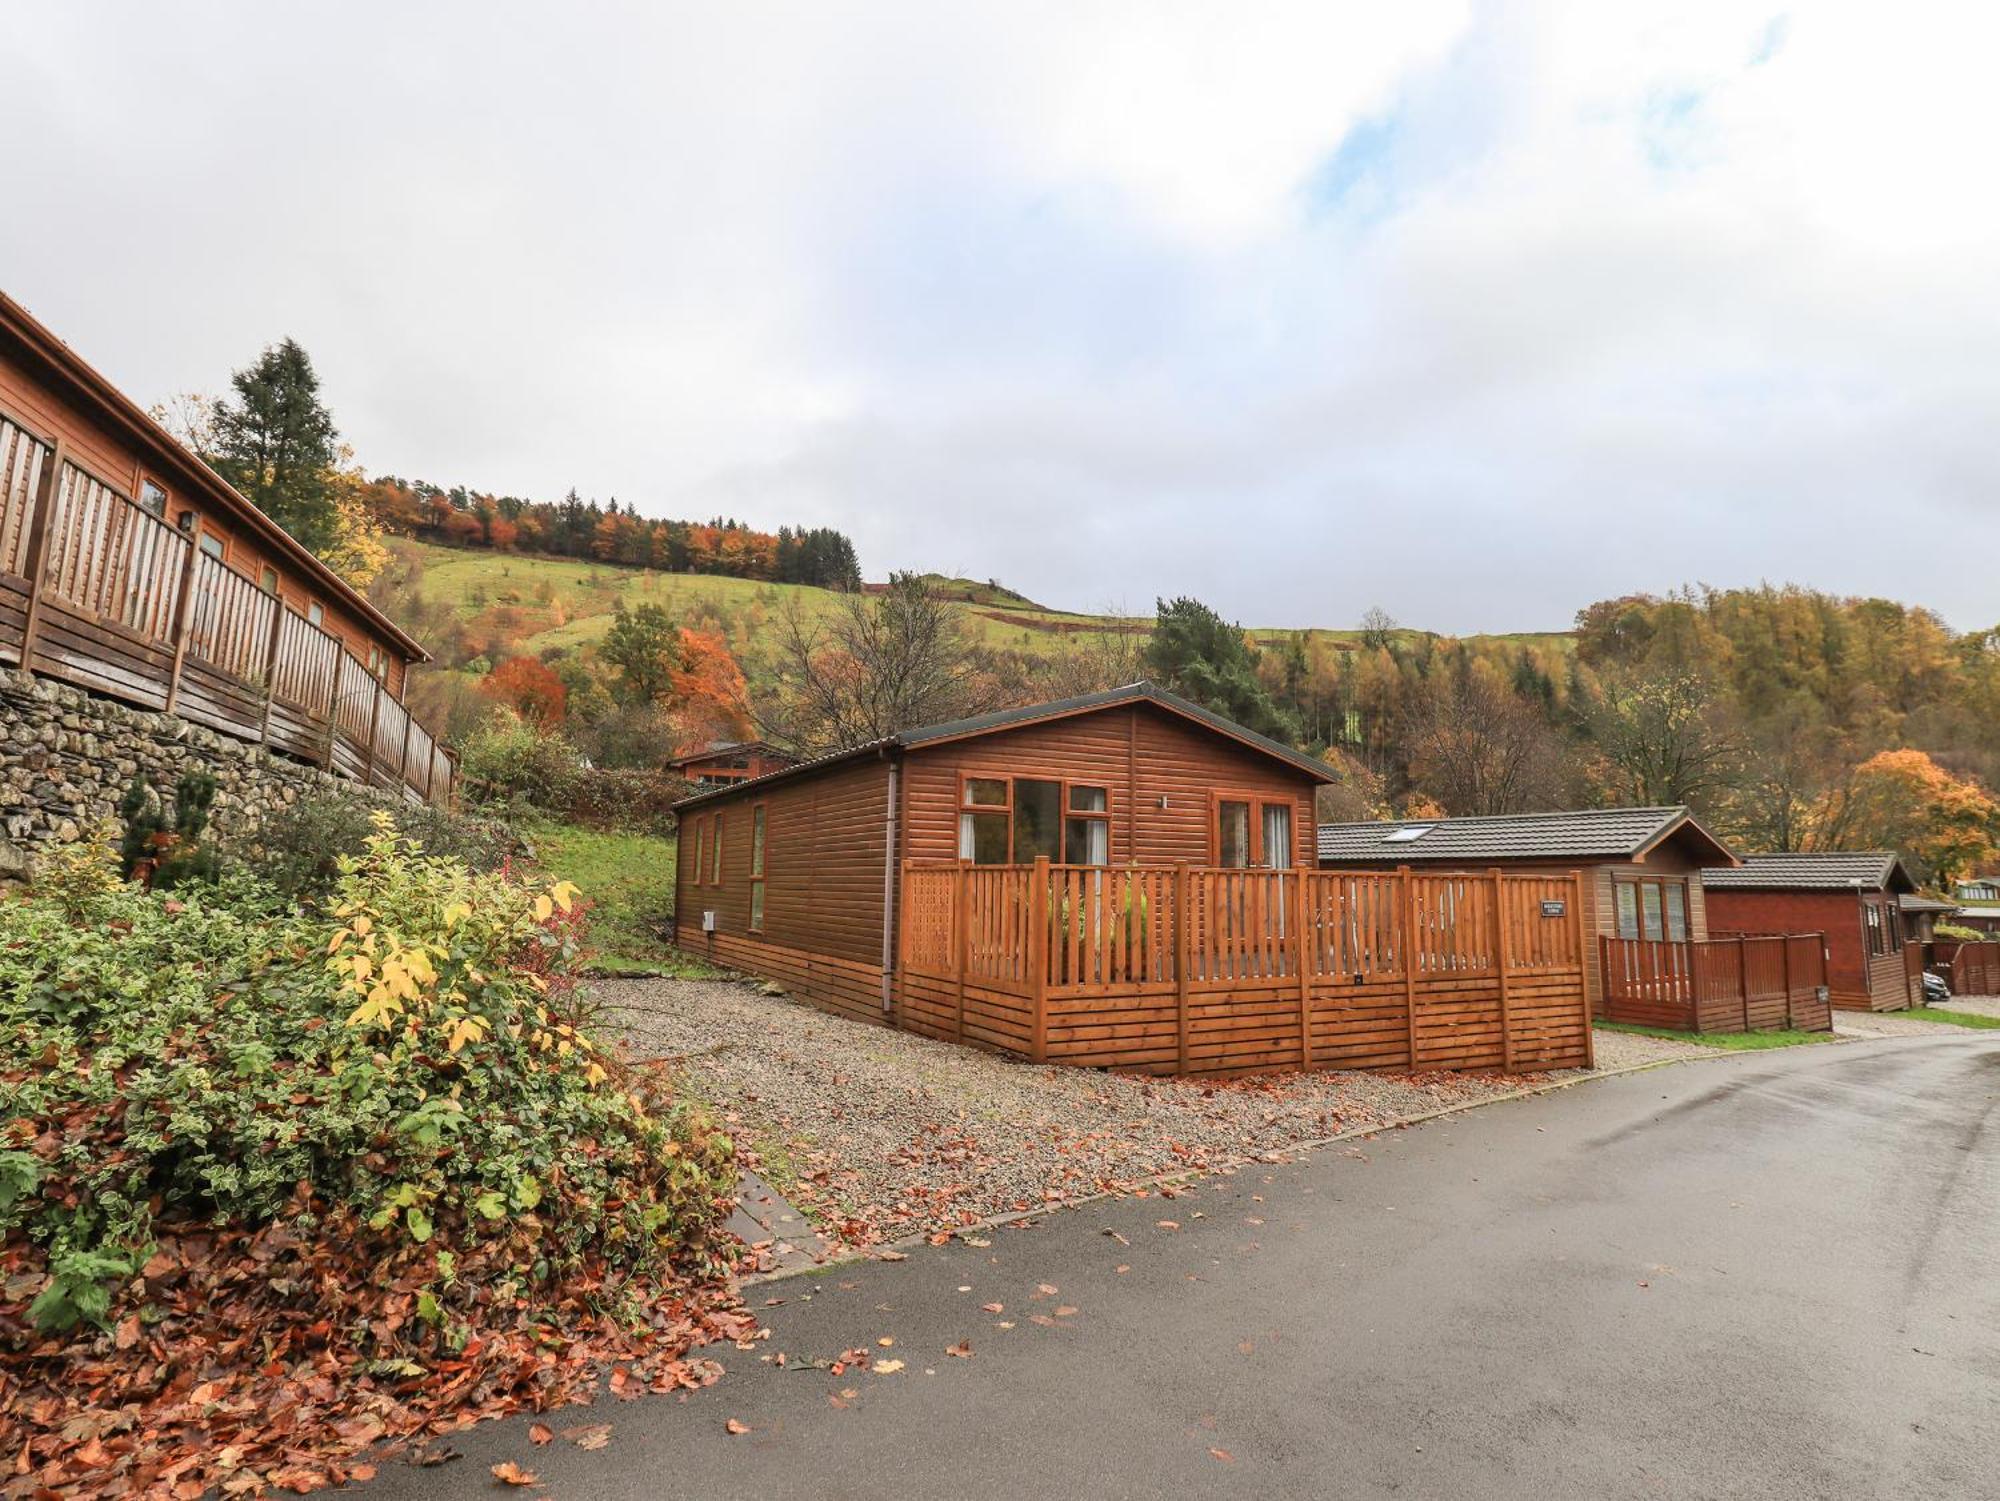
{"type": "Point", "coordinates": [1664, 737]}
{"type": "Point", "coordinates": [1478, 749]}
{"type": "Point", "coordinates": [529, 688]}
{"type": "Point", "coordinates": [875, 665]}
{"type": "Point", "coordinates": [1944, 826]}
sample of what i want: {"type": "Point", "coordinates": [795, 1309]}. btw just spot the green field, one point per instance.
{"type": "Point", "coordinates": [562, 602]}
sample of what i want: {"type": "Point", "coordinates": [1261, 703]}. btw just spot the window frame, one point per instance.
{"type": "Point", "coordinates": [715, 850]}
{"type": "Point", "coordinates": [1660, 883]}
{"type": "Point", "coordinates": [1258, 858]}
{"type": "Point", "coordinates": [315, 613]}
{"type": "Point", "coordinates": [268, 580]}
{"type": "Point", "coordinates": [1011, 808]}
{"type": "Point", "coordinates": [760, 844]}
{"type": "Point", "coordinates": [166, 496]}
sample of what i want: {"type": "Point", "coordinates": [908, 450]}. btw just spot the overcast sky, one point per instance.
{"type": "Point", "coordinates": [1476, 312]}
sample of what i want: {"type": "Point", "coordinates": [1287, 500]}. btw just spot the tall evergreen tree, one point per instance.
{"type": "Point", "coordinates": [276, 442]}
{"type": "Point", "coordinates": [1201, 656]}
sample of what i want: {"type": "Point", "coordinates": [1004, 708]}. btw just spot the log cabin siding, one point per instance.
{"type": "Point", "coordinates": [825, 839]}
{"type": "Point", "coordinates": [1139, 754]}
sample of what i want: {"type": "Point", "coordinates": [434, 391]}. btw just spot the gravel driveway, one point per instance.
{"type": "Point", "coordinates": [881, 1135]}
{"type": "Point", "coordinates": [1877, 1024]}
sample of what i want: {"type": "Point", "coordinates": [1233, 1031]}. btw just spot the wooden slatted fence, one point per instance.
{"type": "Point", "coordinates": [1743, 984]}
{"type": "Point", "coordinates": [98, 592]}
{"type": "Point", "coordinates": [1968, 968]}
{"type": "Point", "coordinates": [1213, 972]}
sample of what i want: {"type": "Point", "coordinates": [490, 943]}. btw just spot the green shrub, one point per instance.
{"type": "Point", "coordinates": [1952, 932]}
{"type": "Point", "coordinates": [407, 1066]}
{"type": "Point", "coordinates": [297, 850]}
{"type": "Point", "coordinates": [162, 844]}
{"type": "Point", "coordinates": [511, 762]}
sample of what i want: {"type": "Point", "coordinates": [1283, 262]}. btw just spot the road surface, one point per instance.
{"type": "Point", "coordinates": [1768, 1274]}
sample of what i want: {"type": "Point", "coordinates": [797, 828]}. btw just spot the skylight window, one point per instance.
{"type": "Point", "coordinates": [1409, 835]}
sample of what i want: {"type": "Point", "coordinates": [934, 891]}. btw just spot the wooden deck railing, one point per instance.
{"type": "Point", "coordinates": [1743, 984]}
{"type": "Point", "coordinates": [98, 592]}
{"type": "Point", "coordinates": [1195, 970]}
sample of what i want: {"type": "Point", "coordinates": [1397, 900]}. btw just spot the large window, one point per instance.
{"type": "Point", "coordinates": [1655, 910]}
{"type": "Point", "coordinates": [1252, 831]}
{"type": "Point", "coordinates": [700, 832]}
{"type": "Point", "coordinates": [757, 869]}
{"type": "Point", "coordinates": [1018, 820]}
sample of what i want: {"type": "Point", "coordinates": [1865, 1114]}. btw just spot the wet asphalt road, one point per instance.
{"type": "Point", "coordinates": [1767, 1275]}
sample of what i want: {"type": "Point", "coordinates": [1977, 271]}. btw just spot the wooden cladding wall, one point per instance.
{"type": "Point", "coordinates": [825, 844]}
{"type": "Point", "coordinates": [98, 592]}
{"type": "Point", "coordinates": [1857, 979]}
{"type": "Point", "coordinates": [1208, 972]}
{"type": "Point", "coordinates": [1744, 984]}
{"type": "Point", "coordinates": [1161, 776]}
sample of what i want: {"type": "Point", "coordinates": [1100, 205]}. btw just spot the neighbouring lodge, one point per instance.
{"type": "Point", "coordinates": [731, 761]}
{"type": "Point", "coordinates": [1121, 879]}
{"type": "Point", "coordinates": [1854, 898]}
{"type": "Point", "coordinates": [130, 569]}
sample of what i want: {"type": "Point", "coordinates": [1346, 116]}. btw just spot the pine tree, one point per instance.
{"type": "Point", "coordinates": [275, 441]}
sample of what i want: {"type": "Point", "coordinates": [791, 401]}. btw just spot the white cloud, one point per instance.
{"type": "Point", "coordinates": [1598, 298]}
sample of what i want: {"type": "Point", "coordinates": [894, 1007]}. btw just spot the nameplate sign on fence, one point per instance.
{"type": "Point", "coordinates": [1554, 909]}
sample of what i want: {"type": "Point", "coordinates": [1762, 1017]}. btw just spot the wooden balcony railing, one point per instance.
{"type": "Point", "coordinates": [1217, 971]}
{"type": "Point", "coordinates": [1740, 984]}
{"type": "Point", "coordinates": [98, 592]}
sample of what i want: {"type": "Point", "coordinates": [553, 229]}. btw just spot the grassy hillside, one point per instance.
{"type": "Point", "coordinates": [563, 602]}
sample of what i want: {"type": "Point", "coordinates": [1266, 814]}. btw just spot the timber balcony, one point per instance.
{"type": "Point", "coordinates": [98, 592]}
{"type": "Point", "coordinates": [1741, 984]}
{"type": "Point", "coordinates": [1196, 971]}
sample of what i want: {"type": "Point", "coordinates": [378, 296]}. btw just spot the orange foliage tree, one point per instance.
{"type": "Point", "coordinates": [709, 696]}
{"type": "Point", "coordinates": [1902, 800]}
{"type": "Point", "coordinates": [529, 688]}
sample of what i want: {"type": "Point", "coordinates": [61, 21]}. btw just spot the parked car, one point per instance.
{"type": "Point", "coordinates": [1936, 992]}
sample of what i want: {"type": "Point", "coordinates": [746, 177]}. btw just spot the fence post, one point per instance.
{"type": "Point", "coordinates": [183, 617]}
{"type": "Point", "coordinates": [961, 905]}
{"type": "Point", "coordinates": [333, 712]}
{"type": "Point", "coordinates": [1038, 958]}
{"type": "Point", "coordinates": [271, 666]}
{"type": "Point", "coordinates": [1303, 949]}
{"type": "Point", "coordinates": [1500, 971]}
{"type": "Point", "coordinates": [1183, 950]}
{"type": "Point", "coordinates": [1743, 976]}
{"type": "Point", "coordinates": [1785, 948]}
{"type": "Point", "coordinates": [1408, 949]}
{"type": "Point", "coordinates": [36, 561]}
{"type": "Point", "coordinates": [374, 725]}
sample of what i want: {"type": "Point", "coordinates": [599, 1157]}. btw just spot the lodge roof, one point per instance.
{"type": "Point", "coordinates": [1831, 870]}
{"type": "Point", "coordinates": [1577, 834]}
{"type": "Point", "coordinates": [1007, 719]}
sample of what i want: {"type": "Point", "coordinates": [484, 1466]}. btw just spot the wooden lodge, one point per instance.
{"type": "Point", "coordinates": [130, 569]}
{"type": "Point", "coordinates": [1119, 880]}
{"type": "Point", "coordinates": [726, 762]}
{"type": "Point", "coordinates": [1649, 958]}
{"type": "Point", "coordinates": [1854, 898]}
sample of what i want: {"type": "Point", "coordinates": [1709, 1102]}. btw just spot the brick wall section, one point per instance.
{"type": "Point", "coordinates": [66, 759]}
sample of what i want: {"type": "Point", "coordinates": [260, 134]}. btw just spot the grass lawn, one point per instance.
{"type": "Point", "coordinates": [1739, 1042]}
{"type": "Point", "coordinates": [1945, 1014]}
{"type": "Point", "coordinates": [628, 879]}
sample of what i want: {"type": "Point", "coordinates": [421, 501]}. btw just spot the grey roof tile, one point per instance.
{"type": "Point", "coordinates": [1588, 833]}
{"type": "Point", "coordinates": [1827, 870]}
